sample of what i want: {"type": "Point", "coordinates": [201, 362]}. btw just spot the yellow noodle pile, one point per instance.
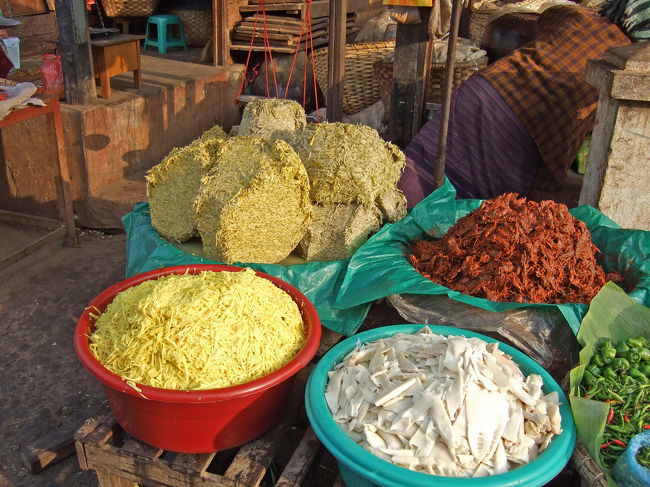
{"type": "Point", "coordinates": [199, 331]}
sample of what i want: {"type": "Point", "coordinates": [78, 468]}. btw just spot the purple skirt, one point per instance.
{"type": "Point", "coordinates": [489, 152]}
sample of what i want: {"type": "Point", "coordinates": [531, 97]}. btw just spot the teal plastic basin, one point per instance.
{"type": "Point", "coordinates": [360, 468]}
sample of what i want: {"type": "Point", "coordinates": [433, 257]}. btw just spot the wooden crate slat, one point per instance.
{"type": "Point", "coordinates": [141, 450]}
{"type": "Point", "coordinates": [90, 425]}
{"type": "Point", "coordinates": [189, 463]}
{"type": "Point", "coordinates": [301, 460]}
{"type": "Point", "coordinates": [109, 459]}
{"type": "Point", "coordinates": [103, 432]}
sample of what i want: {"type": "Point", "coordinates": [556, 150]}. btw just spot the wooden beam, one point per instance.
{"type": "Point", "coordinates": [410, 76]}
{"type": "Point", "coordinates": [336, 60]}
{"type": "Point", "coordinates": [439, 171]}
{"type": "Point", "coordinates": [50, 449]}
{"type": "Point", "coordinates": [221, 33]}
{"type": "Point", "coordinates": [74, 47]}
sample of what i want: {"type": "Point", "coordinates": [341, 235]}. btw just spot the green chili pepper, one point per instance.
{"type": "Point", "coordinates": [638, 375]}
{"type": "Point", "coordinates": [597, 359]}
{"type": "Point", "coordinates": [645, 369]}
{"type": "Point", "coordinates": [607, 350]}
{"type": "Point", "coordinates": [621, 348]}
{"type": "Point", "coordinates": [588, 377]}
{"type": "Point", "coordinates": [594, 369]}
{"type": "Point", "coordinates": [620, 364]}
{"type": "Point", "coordinates": [633, 357]}
{"type": "Point", "coordinates": [635, 342]}
{"type": "Point", "coordinates": [610, 373]}
{"type": "Point", "coordinates": [644, 353]}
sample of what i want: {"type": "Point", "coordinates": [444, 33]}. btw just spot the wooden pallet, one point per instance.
{"type": "Point", "coordinates": [288, 455]}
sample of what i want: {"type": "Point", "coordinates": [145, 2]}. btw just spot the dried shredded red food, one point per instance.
{"type": "Point", "coordinates": [511, 249]}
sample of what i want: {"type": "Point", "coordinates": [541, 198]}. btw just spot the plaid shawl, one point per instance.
{"type": "Point", "coordinates": [543, 83]}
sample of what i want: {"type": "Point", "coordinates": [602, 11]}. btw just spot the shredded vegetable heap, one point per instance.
{"type": "Point", "coordinates": [199, 331]}
{"type": "Point", "coordinates": [510, 249]}
{"type": "Point", "coordinates": [450, 406]}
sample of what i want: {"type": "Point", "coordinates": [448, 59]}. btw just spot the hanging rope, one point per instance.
{"type": "Point", "coordinates": [306, 30]}
{"type": "Point", "coordinates": [268, 55]}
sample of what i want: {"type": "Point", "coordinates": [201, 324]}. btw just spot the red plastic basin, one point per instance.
{"type": "Point", "coordinates": [197, 421]}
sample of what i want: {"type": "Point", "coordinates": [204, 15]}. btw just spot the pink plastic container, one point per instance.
{"type": "Point", "coordinates": [197, 421]}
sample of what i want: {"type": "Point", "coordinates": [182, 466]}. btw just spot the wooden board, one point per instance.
{"type": "Point", "coordinates": [24, 7]}
{"type": "Point", "coordinates": [319, 8]}
{"type": "Point", "coordinates": [286, 50]}
{"type": "Point", "coordinates": [50, 449]}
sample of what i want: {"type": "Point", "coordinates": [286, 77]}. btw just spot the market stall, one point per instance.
{"type": "Point", "coordinates": [222, 354]}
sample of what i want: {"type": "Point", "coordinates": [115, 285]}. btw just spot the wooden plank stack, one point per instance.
{"type": "Point", "coordinates": [284, 23]}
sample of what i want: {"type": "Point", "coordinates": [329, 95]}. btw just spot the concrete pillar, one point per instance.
{"type": "Point", "coordinates": [617, 179]}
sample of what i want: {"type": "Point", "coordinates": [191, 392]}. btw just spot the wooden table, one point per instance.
{"type": "Point", "coordinates": [113, 55]}
{"type": "Point", "coordinates": [65, 226]}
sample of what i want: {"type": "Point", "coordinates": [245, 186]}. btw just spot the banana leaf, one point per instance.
{"type": "Point", "coordinates": [614, 315]}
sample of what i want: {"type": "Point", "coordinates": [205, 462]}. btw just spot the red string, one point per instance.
{"type": "Point", "coordinates": [309, 46]}
{"type": "Point", "coordinates": [267, 51]}
{"type": "Point", "coordinates": [248, 58]}
{"type": "Point", "coordinates": [267, 48]}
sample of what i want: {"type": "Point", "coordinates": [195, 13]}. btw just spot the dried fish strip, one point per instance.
{"type": "Point", "coordinates": [253, 205]}
{"type": "Point", "coordinates": [450, 406]}
{"type": "Point", "coordinates": [510, 249]}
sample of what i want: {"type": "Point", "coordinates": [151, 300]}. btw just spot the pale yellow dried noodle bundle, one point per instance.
{"type": "Point", "coordinates": [205, 331]}
{"type": "Point", "coordinates": [337, 231]}
{"type": "Point", "coordinates": [253, 206]}
{"type": "Point", "coordinates": [349, 163]}
{"type": "Point", "coordinates": [273, 118]}
{"type": "Point", "coordinates": [173, 184]}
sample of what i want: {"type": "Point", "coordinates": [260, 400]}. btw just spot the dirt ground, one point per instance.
{"type": "Point", "coordinates": [43, 385]}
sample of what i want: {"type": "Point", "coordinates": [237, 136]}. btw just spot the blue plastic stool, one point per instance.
{"type": "Point", "coordinates": [164, 33]}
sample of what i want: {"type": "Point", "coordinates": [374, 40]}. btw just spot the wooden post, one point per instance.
{"type": "Point", "coordinates": [410, 76]}
{"type": "Point", "coordinates": [220, 33]}
{"type": "Point", "coordinates": [617, 178]}
{"type": "Point", "coordinates": [439, 174]}
{"type": "Point", "coordinates": [74, 47]}
{"type": "Point", "coordinates": [336, 60]}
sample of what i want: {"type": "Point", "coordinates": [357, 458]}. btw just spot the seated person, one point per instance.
{"type": "Point", "coordinates": [521, 119]}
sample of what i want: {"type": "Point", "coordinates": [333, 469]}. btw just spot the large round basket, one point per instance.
{"type": "Point", "coordinates": [129, 8]}
{"type": "Point", "coordinates": [478, 21]}
{"type": "Point", "coordinates": [360, 87]}
{"type": "Point", "coordinates": [462, 71]}
{"type": "Point", "coordinates": [197, 25]}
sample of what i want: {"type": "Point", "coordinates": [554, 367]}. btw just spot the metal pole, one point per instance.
{"type": "Point", "coordinates": [439, 174]}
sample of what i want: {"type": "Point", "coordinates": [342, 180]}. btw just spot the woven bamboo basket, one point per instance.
{"type": "Point", "coordinates": [129, 8]}
{"type": "Point", "coordinates": [360, 86]}
{"type": "Point", "coordinates": [462, 71]}
{"type": "Point", "coordinates": [478, 21]}
{"type": "Point", "coordinates": [197, 25]}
